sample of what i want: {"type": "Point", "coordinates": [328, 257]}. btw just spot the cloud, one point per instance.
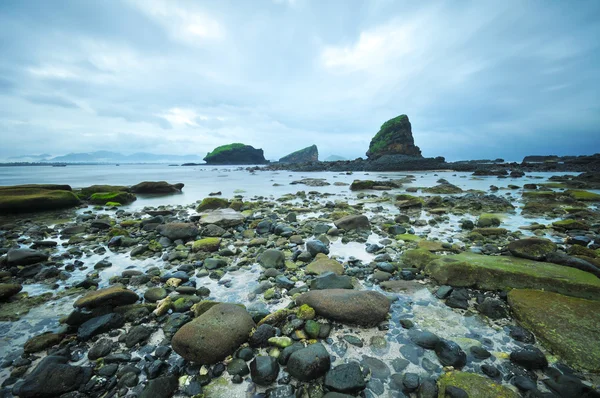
{"type": "Point", "coordinates": [51, 100]}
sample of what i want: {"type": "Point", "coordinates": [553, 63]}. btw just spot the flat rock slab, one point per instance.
{"type": "Point", "coordinates": [366, 308]}
{"type": "Point", "coordinates": [567, 325]}
{"type": "Point", "coordinates": [222, 217]}
{"type": "Point", "coordinates": [16, 257]}
{"type": "Point", "coordinates": [506, 272]}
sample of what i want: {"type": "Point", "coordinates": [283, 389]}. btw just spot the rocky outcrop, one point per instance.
{"type": "Point", "coordinates": [308, 154]}
{"type": "Point", "coordinates": [156, 187]}
{"type": "Point", "coordinates": [235, 154]}
{"type": "Point", "coordinates": [394, 138]}
{"type": "Point", "coordinates": [33, 198]}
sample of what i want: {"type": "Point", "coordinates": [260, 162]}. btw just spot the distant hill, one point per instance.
{"type": "Point", "coordinates": [334, 158]}
{"type": "Point", "coordinates": [30, 158]}
{"type": "Point", "coordinates": [115, 157]}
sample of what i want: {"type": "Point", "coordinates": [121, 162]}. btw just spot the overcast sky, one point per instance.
{"type": "Point", "coordinates": [477, 79]}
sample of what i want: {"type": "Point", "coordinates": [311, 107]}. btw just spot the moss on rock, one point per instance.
{"type": "Point", "coordinates": [102, 198]}
{"type": "Point", "coordinates": [567, 325]}
{"type": "Point", "coordinates": [486, 220]}
{"type": "Point", "coordinates": [34, 199]}
{"type": "Point", "coordinates": [213, 203]}
{"type": "Point", "coordinates": [570, 224]}
{"type": "Point", "coordinates": [584, 196]}
{"type": "Point", "coordinates": [474, 385]}
{"type": "Point", "coordinates": [206, 245]}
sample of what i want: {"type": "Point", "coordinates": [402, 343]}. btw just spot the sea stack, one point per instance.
{"type": "Point", "coordinates": [308, 154]}
{"type": "Point", "coordinates": [235, 154]}
{"type": "Point", "coordinates": [394, 138]}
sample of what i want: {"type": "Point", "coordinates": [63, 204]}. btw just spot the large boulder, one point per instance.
{"type": "Point", "coordinates": [235, 154]}
{"type": "Point", "coordinates": [214, 335]}
{"type": "Point", "coordinates": [474, 385]}
{"type": "Point", "coordinates": [309, 363]}
{"type": "Point", "coordinates": [353, 222]}
{"type": "Point", "coordinates": [16, 257]}
{"type": "Point", "coordinates": [222, 217]}
{"type": "Point", "coordinates": [506, 272]}
{"type": "Point", "coordinates": [308, 154]}
{"type": "Point", "coordinates": [567, 325]}
{"type": "Point", "coordinates": [121, 197]}
{"type": "Point", "coordinates": [272, 258]}
{"type": "Point", "coordinates": [52, 377]}
{"type": "Point", "coordinates": [33, 198]}
{"type": "Point", "coordinates": [156, 187]}
{"type": "Point", "coordinates": [323, 264]}
{"type": "Point", "coordinates": [7, 290]}
{"type": "Point", "coordinates": [112, 297]}
{"type": "Point", "coordinates": [212, 203]}
{"type": "Point", "coordinates": [348, 306]}
{"type": "Point", "coordinates": [532, 248]}
{"type": "Point", "coordinates": [178, 230]}
{"type": "Point", "coordinates": [394, 138]}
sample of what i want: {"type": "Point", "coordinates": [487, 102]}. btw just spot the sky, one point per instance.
{"type": "Point", "coordinates": [478, 79]}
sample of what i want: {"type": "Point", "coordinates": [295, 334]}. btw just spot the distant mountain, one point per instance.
{"type": "Point", "coordinates": [115, 157]}
{"type": "Point", "coordinates": [334, 158]}
{"type": "Point", "coordinates": [30, 158]}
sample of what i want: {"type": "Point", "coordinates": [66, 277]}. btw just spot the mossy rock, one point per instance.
{"type": "Point", "coordinates": [490, 231]}
{"type": "Point", "coordinates": [417, 258]}
{"type": "Point", "coordinates": [34, 199]}
{"type": "Point", "coordinates": [361, 185]}
{"type": "Point", "coordinates": [405, 201]}
{"type": "Point", "coordinates": [566, 325]}
{"type": "Point", "coordinates": [117, 232]}
{"type": "Point", "coordinates": [433, 246]}
{"type": "Point", "coordinates": [113, 204]}
{"type": "Point", "coordinates": [570, 224]}
{"type": "Point", "coordinates": [212, 203]}
{"type": "Point", "coordinates": [41, 342]}
{"type": "Point", "coordinates": [408, 237]}
{"type": "Point", "coordinates": [87, 192]}
{"type": "Point", "coordinates": [447, 189]}
{"type": "Point", "coordinates": [532, 248]}
{"type": "Point", "coordinates": [206, 245]}
{"type": "Point", "coordinates": [324, 264]}
{"type": "Point", "coordinates": [487, 220]}
{"type": "Point", "coordinates": [578, 250]}
{"type": "Point", "coordinates": [506, 272]}
{"type": "Point", "coordinates": [545, 195]}
{"type": "Point", "coordinates": [583, 196]}
{"type": "Point", "coordinates": [474, 385]}
{"type": "Point", "coordinates": [101, 198]}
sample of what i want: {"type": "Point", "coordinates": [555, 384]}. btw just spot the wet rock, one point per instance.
{"type": "Point", "coordinates": [42, 341]}
{"type": "Point", "coordinates": [450, 354]}
{"type": "Point", "coordinates": [137, 335]}
{"type": "Point", "coordinates": [323, 264]}
{"type": "Point", "coordinates": [309, 363]}
{"type": "Point", "coordinates": [491, 371]}
{"type": "Point", "coordinates": [443, 292]}
{"type": "Point", "coordinates": [261, 336]}
{"type": "Point", "coordinates": [493, 308]}
{"type": "Point", "coordinates": [329, 280]}
{"type": "Point", "coordinates": [264, 370]}
{"type": "Point", "coordinates": [101, 349]}
{"type": "Point", "coordinates": [112, 296]}
{"type": "Point", "coordinates": [98, 325]}
{"type": "Point", "coordinates": [238, 366]}
{"type": "Point", "coordinates": [464, 385]}
{"type": "Point", "coordinates": [53, 377]}
{"type": "Point", "coordinates": [480, 352]}
{"type": "Point", "coordinates": [272, 258]}
{"type": "Point", "coordinates": [315, 247]}
{"type": "Point", "coordinates": [379, 370]}
{"type": "Point", "coordinates": [156, 187]}
{"type": "Point", "coordinates": [155, 294]}
{"type": "Point", "coordinates": [530, 358]}
{"type": "Point", "coordinates": [8, 290]}
{"type": "Point", "coordinates": [353, 222]}
{"type": "Point", "coordinates": [424, 339]}
{"type": "Point", "coordinates": [427, 389]}
{"type": "Point", "coordinates": [459, 298]}
{"type": "Point", "coordinates": [176, 231]}
{"type": "Point", "coordinates": [16, 257]}
{"type": "Point", "coordinates": [521, 334]}
{"type": "Point", "coordinates": [213, 335]}
{"type": "Point", "coordinates": [348, 306]}
{"type": "Point", "coordinates": [161, 387]}
{"type": "Point", "coordinates": [532, 248]}
{"type": "Point", "coordinates": [345, 378]}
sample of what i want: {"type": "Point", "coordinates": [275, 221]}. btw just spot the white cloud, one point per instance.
{"type": "Point", "coordinates": [181, 117]}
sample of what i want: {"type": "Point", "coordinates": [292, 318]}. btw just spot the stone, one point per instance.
{"type": "Point", "coordinates": [137, 335]}
{"type": "Point", "coordinates": [235, 153]}
{"type": "Point", "coordinates": [309, 363]}
{"type": "Point", "coordinates": [330, 280]}
{"type": "Point", "coordinates": [34, 198]}
{"type": "Point", "coordinates": [155, 294]}
{"type": "Point", "coordinates": [345, 378]}
{"type": "Point", "coordinates": [353, 222]}
{"type": "Point", "coordinates": [450, 354]}
{"type": "Point", "coordinates": [178, 230]}
{"type": "Point", "coordinates": [224, 218]}
{"type": "Point", "coordinates": [264, 370]}
{"type": "Point", "coordinates": [315, 247]}
{"type": "Point", "coordinates": [394, 138]}
{"type": "Point", "coordinates": [212, 204]}
{"type": "Point", "coordinates": [261, 336]}
{"type": "Point", "coordinates": [532, 248]}
{"type": "Point", "coordinates": [423, 338]}
{"type": "Point", "coordinates": [41, 342]}
{"type": "Point", "coordinates": [238, 366]}
{"type": "Point", "coordinates": [102, 348]}
{"type": "Point", "coordinates": [207, 245]}
{"type": "Point", "coordinates": [493, 308]}
{"type": "Point", "coordinates": [52, 377]}
{"type": "Point", "coordinates": [348, 306]}
{"type": "Point", "coordinates": [7, 290]}
{"type": "Point", "coordinates": [156, 187]}
{"type": "Point", "coordinates": [473, 385]}
{"type": "Point", "coordinates": [98, 325]}
{"type": "Point", "coordinates": [16, 257]}
{"type": "Point", "coordinates": [308, 154]}
{"type": "Point", "coordinates": [214, 335]}
{"type": "Point", "coordinates": [161, 387]}
{"type": "Point", "coordinates": [323, 264]}
{"type": "Point", "coordinates": [567, 325]}
{"type": "Point", "coordinates": [112, 296]}
{"type": "Point", "coordinates": [272, 258]}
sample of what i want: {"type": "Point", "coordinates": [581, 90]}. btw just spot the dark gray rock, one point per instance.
{"type": "Point", "coordinates": [264, 370]}
{"type": "Point", "coordinates": [315, 247]}
{"type": "Point", "coordinates": [450, 354]}
{"type": "Point", "coordinates": [16, 257]}
{"type": "Point", "coordinates": [530, 358]}
{"type": "Point", "coordinates": [309, 363]}
{"type": "Point", "coordinates": [98, 325]}
{"type": "Point", "coordinates": [345, 378]}
{"type": "Point", "coordinates": [53, 377]}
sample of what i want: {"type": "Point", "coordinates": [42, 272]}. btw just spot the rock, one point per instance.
{"type": "Point", "coordinates": [99, 324]}
{"type": "Point", "coordinates": [308, 154]}
{"type": "Point", "coordinates": [379, 370]}
{"type": "Point", "coordinates": [529, 357]}
{"type": "Point", "coordinates": [212, 230]}
{"type": "Point", "coordinates": [207, 245]}
{"type": "Point", "coordinates": [212, 204]}
{"type": "Point", "coordinates": [493, 308]}
{"type": "Point", "coordinates": [235, 154]}
{"type": "Point", "coordinates": [359, 185]}
{"type": "Point", "coordinates": [345, 378]}
{"type": "Point", "coordinates": [567, 325]}
{"type": "Point", "coordinates": [487, 220]}
{"type": "Point", "coordinates": [261, 336]}
{"type": "Point", "coordinates": [16, 257]}
{"type": "Point", "coordinates": [102, 348]}
{"type": "Point", "coordinates": [444, 188]}
{"type": "Point", "coordinates": [532, 248]}
{"type": "Point", "coordinates": [137, 335]}
{"type": "Point", "coordinates": [505, 273]}
{"type": "Point", "coordinates": [264, 370]}
{"type": "Point", "coordinates": [423, 338]}
{"type": "Point", "coordinates": [474, 385]}
{"type": "Point", "coordinates": [315, 247]}
{"type": "Point", "coordinates": [394, 138]}
{"type": "Point", "coordinates": [155, 294]}
{"type": "Point", "coordinates": [104, 198]}
{"type": "Point", "coordinates": [112, 296]}
{"type": "Point", "coordinates": [52, 377]}
{"type": "Point", "coordinates": [238, 366]}
{"type": "Point", "coordinates": [450, 354]}
{"type": "Point", "coordinates": [272, 258]}
{"type": "Point", "coordinates": [41, 342]}
{"type": "Point", "coordinates": [521, 334]}
{"type": "Point", "coordinates": [330, 280]}
{"type": "Point", "coordinates": [323, 264]}
{"type": "Point", "coordinates": [309, 363]}
{"type": "Point", "coordinates": [156, 187]}
{"type": "Point", "coordinates": [353, 222]}
{"type": "Point", "coordinates": [349, 306]}
{"type": "Point", "coordinates": [34, 198]}
{"type": "Point", "coordinates": [213, 335]}
{"type": "Point", "coordinates": [574, 262]}
{"type": "Point", "coordinates": [222, 217]}
{"type": "Point", "coordinates": [178, 230]}
{"type": "Point", "coordinates": [161, 387]}
{"type": "Point", "coordinates": [7, 290]}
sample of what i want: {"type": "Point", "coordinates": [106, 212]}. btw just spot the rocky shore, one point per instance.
{"type": "Point", "coordinates": [389, 289]}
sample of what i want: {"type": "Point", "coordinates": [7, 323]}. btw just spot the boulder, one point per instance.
{"type": "Point", "coordinates": [474, 385]}
{"type": "Point", "coordinates": [161, 387]}
{"type": "Point", "coordinates": [353, 222]}
{"type": "Point", "coordinates": [16, 257]}
{"type": "Point", "coordinates": [112, 296]}
{"type": "Point", "coordinates": [394, 138]}
{"type": "Point", "coordinates": [98, 325]}
{"type": "Point", "coordinates": [156, 187]}
{"type": "Point", "coordinates": [212, 203]}
{"type": "Point", "coordinates": [52, 377]}
{"type": "Point", "coordinates": [235, 154]}
{"type": "Point", "coordinates": [359, 185]}
{"type": "Point", "coordinates": [264, 370]}
{"type": "Point", "coordinates": [207, 245]}
{"type": "Point", "coordinates": [33, 198]}
{"type": "Point", "coordinates": [41, 342]}
{"type": "Point", "coordinates": [7, 290]}
{"type": "Point", "coordinates": [308, 154]}
{"type": "Point", "coordinates": [272, 258]}
{"type": "Point", "coordinates": [213, 335]}
{"type": "Point", "coordinates": [224, 218]}
{"type": "Point", "coordinates": [324, 264]}
{"type": "Point", "coordinates": [348, 306]}
{"type": "Point", "coordinates": [178, 230]}
{"type": "Point", "coordinates": [330, 280]}
{"type": "Point", "coordinates": [102, 198]}
{"type": "Point", "coordinates": [309, 363]}
{"type": "Point", "coordinates": [345, 378]}
{"type": "Point", "coordinates": [567, 325]}
{"type": "Point", "coordinates": [532, 248]}
{"type": "Point", "coordinates": [315, 247]}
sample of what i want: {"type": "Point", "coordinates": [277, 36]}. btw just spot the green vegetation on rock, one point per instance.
{"type": "Point", "coordinates": [474, 385]}
{"type": "Point", "coordinates": [86, 193]}
{"type": "Point", "coordinates": [102, 198]}
{"type": "Point", "coordinates": [567, 325]}
{"type": "Point", "coordinates": [235, 153]}
{"type": "Point", "coordinates": [506, 272]}
{"type": "Point", "coordinates": [394, 137]}
{"type": "Point", "coordinates": [308, 154]}
{"type": "Point", "coordinates": [570, 224]}
{"type": "Point", "coordinates": [206, 245]}
{"type": "Point", "coordinates": [489, 220]}
{"type": "Point", "coordinates": [212, 203]}
{"type": "Point", "coordinates": [35, 198]}
{"type": "Point", "coordinates": [584, 196]}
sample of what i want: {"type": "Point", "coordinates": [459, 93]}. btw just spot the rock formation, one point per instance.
{"type": "Point", "coordinates": [308, 154]}
{"type": "Point", "coordinates": [394, 138]}
{"type": "Point", "coordinates": [235, 154]}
